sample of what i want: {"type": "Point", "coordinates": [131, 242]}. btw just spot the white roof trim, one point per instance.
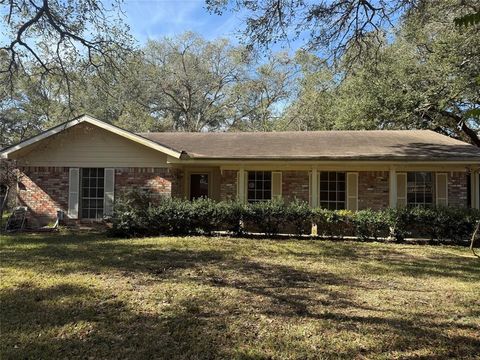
{"type": "Point", "coordinates": [88, 119]}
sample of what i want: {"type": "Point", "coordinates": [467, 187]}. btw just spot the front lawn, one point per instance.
{"type": "Point", "coordinates": [90, 297]}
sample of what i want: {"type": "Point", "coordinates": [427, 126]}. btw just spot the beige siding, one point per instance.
{"type": "Point", "coordinates": [87, 146]}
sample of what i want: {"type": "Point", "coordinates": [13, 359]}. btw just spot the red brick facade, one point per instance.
{"type": "Point", "coordinates": [373, 190]}
{"type": "Point", "coordinates": [295, 185]}
{"type": "Point", "coordinates": [44, 190]}
{"type": "Point", "coordinates": [228, 185]}
{"type": "Point", "coordinates": [155, 181]}
{"type": "Point", "coordinates": [457, 189]}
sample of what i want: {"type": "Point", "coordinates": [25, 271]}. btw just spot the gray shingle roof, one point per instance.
{"type": "Point", "coordinates": [406, 145]}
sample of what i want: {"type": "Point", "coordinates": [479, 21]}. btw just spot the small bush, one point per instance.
{"type": "Point", "coordinates": [371, 224]}
{"type": "Point", "coordinates": [334, 223]}
{"type": "Point", "coordinates": [299, 215]}
{"type": "Point", "coordinates": [266, 216]}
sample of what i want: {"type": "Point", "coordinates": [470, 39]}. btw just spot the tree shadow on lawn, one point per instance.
{"type": "Point", "coordinates": [67, 321]}
{"type": "Point", "coordinates": [81, 321]}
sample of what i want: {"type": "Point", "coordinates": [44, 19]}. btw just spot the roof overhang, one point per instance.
{"type": "Point", "coordinates": [90, 120]}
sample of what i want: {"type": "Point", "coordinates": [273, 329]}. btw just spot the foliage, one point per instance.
{"type": "Point", "coordinates": [334, 26]}
{"type": "Point", "coordinates": [45, 38]}
{"type": "Point", "coordinates": [371, 224]}
{"type": "Point", "coordinates": [266, 216]}
{"type": "Point", "coordinates": [137, 214]}
{"type": "Point", "coordinates": [426, 78]}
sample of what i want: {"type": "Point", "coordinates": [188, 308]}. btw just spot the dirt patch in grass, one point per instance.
{"type": "Point", "coordinates": [87, 296]}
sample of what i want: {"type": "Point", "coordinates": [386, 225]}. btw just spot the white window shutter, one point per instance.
{"type": "Point", "coordinates": [352, 191]}
{"type": "Point", "coordinates": [73, 190]}
{"type": "Point", "coordinates": [401, 190]}
{"type": "Point", "coordinates": [276, 185]}
{"type": "Point", "coordinates": [109, 192]}
{"type": "Point", "coordinates": [441, 189]}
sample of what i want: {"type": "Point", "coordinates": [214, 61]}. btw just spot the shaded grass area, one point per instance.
{"type": "Point", "coordinates": [88, 296]}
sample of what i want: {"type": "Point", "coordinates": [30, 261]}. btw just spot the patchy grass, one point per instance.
{"type": "Point", "coordinates": [87, 296]}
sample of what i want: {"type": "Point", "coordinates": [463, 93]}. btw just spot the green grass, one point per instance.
{"type": "Point", "coordinates": [87, 296]}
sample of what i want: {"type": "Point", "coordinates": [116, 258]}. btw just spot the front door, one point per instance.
{"type": "Point", "coordinates": [198, 186]}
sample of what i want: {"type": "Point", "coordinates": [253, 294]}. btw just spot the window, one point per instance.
{"type": "Point", "coordinates": [92, 193]}
{"type": "Point", "coordinates": [259, 186]}
{"type": "Point", "coordinates": [419, 189]}
{"type": "Point", "coordinates": [332, 190]}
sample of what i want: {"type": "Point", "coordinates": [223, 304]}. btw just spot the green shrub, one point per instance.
{"type": "Point", "coordinates": [207, 215]}
{"type": "Point", "coordinates": [131, 216]}
{"type": "Point", "coordinates": [371, 224]}
{"type": "Point", "coordinates": [398, 221]}
{"type": "Point", "coordinates": [233, 213]}
{"type": "Point", "coordinates": [334, 223]}
{"type": "Point", "coordinates": [138, 214]}
{"type": "Point", "coordinates": [266, 216]}
{"type": "Point", "coordinates": [299, 215]}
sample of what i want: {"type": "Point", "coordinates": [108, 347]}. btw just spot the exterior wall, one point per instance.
{"type": "Point", "coordinates": [44, 190]}
{"type": "Point", "coordinates": [228, 185]}
{"type": "Point", "coordinates": [373, 190]}
{"type": "Point", "coordinates": [155, 181]}
{"type": "Point", "coordinates": [295, 185]}
{"type": "Point", "coordinates": [457, 189]}
{"type": "Point", "coordinates": [86, 145]}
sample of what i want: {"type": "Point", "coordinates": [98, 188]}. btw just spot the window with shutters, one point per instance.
{"type": "Point", "coordinates": [92, 193]}
{"type": "Point", "coordinates": [332, 190]}
{"type": "Point", "coordinates": [420, 189]}
{"type": "Point", "coordinates": [259, 186]}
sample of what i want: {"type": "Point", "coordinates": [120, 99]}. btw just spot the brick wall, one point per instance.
{"type": "Point", "coordinates": [228, 185]}
{"type": "Point", "coordinates": [373, 190]}
{"type": "Point", "coordinates": [44, 190]}
{"type": "Point", "coordinates": [457, 189]}
{"type": "Point", "coordinates": [155, 181]}
{"type": "Point", "coordinates": [295, 185]}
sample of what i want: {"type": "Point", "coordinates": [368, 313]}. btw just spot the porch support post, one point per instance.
{"type": "Point", "coordinates": [241, 185]}
{"type": "Point", "coordinates": [392, 187]}
{"type": "Point", "coordinates": [475, 189]}
{"type": "Point", "coordinates": [314, 189]}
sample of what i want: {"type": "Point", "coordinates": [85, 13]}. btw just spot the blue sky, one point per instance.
{"type": "Point", "coordinates": [154, 19]}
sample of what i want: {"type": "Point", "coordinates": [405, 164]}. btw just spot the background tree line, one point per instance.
{"type": "Point", "coordinates": [423, 73]}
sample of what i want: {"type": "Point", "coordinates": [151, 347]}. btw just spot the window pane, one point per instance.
{"type": "Point", "coordinates": [259, 186]}
{"type": "Point", "coordinates": [332, 196]}
{"type": "Point", "coordinates": [332, 190]}
{"type": "Point", "coordinates": [420, 188]}
{"type": "Point", "coordinates": [324, 195]}
{"type": "Point", "coordinates": [323, 186]}
{"type": "Point", "coordinates": [92, 193]}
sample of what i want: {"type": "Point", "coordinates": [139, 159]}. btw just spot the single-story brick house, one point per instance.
{"type": "Point", "coordinates": [81, 165]}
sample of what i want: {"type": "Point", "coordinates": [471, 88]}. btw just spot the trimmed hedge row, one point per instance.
{"type": "Point", "coordinates": [138, 214]}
